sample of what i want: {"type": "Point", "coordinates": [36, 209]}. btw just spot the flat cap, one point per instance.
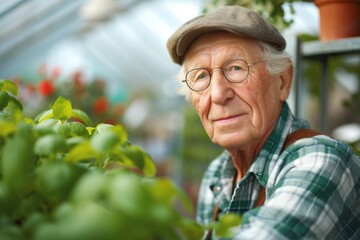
{"type": "Point", "coordinates": [235, 19]}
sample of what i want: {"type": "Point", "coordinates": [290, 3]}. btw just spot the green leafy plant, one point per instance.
{"type": "Point", "coordinates": [62, 179]}
{"type": "Point", "coordinates": [65, 179]}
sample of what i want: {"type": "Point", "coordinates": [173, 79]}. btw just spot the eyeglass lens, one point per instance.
{"type": "Point", "coordinates": [234, 71]}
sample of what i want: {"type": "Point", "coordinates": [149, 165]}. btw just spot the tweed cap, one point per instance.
{"type": "Point", "coordinates": [235, 19]}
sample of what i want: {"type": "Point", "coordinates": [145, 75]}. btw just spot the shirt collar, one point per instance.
{"type": "Point", "coordinates": [271, 150]}
{"type": "Point", "coordinates": [268, 155]}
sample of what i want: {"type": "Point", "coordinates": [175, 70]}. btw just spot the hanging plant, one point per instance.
{"type": "Point", "coordinates": [273, 10]}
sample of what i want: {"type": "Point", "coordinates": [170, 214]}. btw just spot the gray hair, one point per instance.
{"type": "Point", "coordinates": [277, 63]}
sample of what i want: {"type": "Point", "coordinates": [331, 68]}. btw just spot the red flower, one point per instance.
{"type": "Point", "coordinates": [100, 105]}
{"type": "Point", "coordinates": [46, 87]}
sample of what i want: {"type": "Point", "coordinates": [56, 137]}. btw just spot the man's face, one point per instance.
{"type": "Point", "coordinates": [235, 115]}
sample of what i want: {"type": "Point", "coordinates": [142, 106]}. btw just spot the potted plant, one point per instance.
{"type": "Point", "coordinates": [62, 179]}
{"type": "Point", "coordinates": [338, 18]}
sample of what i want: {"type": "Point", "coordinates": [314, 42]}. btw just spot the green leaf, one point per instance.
{"type": "Point", "coordinates": [29, 120]}
{"type": "Point", "coordinates": [74, 141]}
{"type": "Point", "coordinates": [49, 145]}
{"type": "Point", "coordinates": [226, 222]}
{"type": "Point", "coordinates": [71, 129]}
{"type": "Point", "coordinates": [98, 183]}
{"type": "Point", "coordinates": [48, 126]}
{"type": "Point", "coordinates": [119, 130]}
{"type": "Point", "coordinates": [76, 113]}
{"type": "Point", "coordinates": [6, 85]}
{"type": "Point", "coordinates": [4, 99]}
{"type": "Point", "coordinates": [44, 116]}
{"type": "Point", "coordinates": [6, 128]}
{"type": "Point", "coordinates": [80, 152]}
{"type": "Point", "coordinates": [157, 189]}
{"type": "Point", "coordinates": [149, 166]}
{"type": "Point", "coordinates": [122, 134]}
{"type": "Point", "coordinates": [33, 221]}
{"type": "Point", "coordinates": [127, 194]}
{"type": "Point", "coordinates": [91, 130]}
{"type": "Point", "coordinates": [18, 160]}
{"type": "Point", "coordinates": [55, 180]}
{"type": "Point", "coordinates": [7, 202]}
{"type": "Point", "coordinates": [87, 220]}
{"type": "Point", "coordinates": [12, 114]}
{"type": "Point", "coordinates": [14, 102]}
{"type": "Point", "coordinates": [62, 109]}
{"type": "Point", "coordinates": [104, 127]}
{"type": "Point", "coordinates": [140, 159]}
{"type": "Point", "coordinates": [166, 191]}
{"type": "Point", "coordinates": [11, 232]}
{"type": "Point", "coordinates": [191, 229]}
{"type": "Point", "coordinates": [105, 141]}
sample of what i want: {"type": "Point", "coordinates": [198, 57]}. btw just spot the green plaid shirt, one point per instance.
{"type": "Point", "coordinates": [312, 188]}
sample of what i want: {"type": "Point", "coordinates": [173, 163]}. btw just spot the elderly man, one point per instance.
{"type": "Point", "coordinates": [285, 182]}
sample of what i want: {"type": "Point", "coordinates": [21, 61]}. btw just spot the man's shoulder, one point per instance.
{"type": "Point", "coordinates": [320, 155]}
{"type": "Point", "coordinates": [322, 144]}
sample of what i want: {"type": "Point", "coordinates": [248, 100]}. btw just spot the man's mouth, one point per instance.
{"type": "Point", "coordinates": [228, 119]}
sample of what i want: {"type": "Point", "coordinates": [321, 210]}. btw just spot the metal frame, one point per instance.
{"type": "Point", "coordinates": [321, 51]}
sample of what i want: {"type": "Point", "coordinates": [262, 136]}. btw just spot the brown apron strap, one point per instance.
{"type": "Point", "coordinates": [290, 139]}
{"type": "Point", "coordinates": [261, 198]}
{"type": "Point", "coordinates": [216, 212]}
{"type": "Point", "coordinates": [208, 235]}
{"type": "Point", "coordinates": [215, 218]}
{"type": "Point", "coordinates": [299, 134]}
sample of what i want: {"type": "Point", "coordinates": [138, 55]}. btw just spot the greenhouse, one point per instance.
{"type": "Point", "coordinates": [179, 119]}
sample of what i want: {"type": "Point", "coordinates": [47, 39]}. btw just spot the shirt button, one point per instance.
{"type": "Point", "coordinates": [217, 189]}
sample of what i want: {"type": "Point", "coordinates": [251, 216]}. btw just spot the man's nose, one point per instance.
{"type": "Point", "coordinates": [220, 87]}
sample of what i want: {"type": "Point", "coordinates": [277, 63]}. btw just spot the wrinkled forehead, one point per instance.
{"type": "Point", "coordinates": [222, 44]}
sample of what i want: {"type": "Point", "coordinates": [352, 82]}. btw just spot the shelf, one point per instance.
{"type": "Point", "coordinates": [321, 51]}
{"type": "Point", "coordinates": [316, 49]}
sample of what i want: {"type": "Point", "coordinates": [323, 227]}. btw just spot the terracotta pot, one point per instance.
{"type": "Point", "coordinates": [338, 18]}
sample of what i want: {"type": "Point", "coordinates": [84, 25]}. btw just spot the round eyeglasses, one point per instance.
{"type": "Point", "coordinates": [235, 71]}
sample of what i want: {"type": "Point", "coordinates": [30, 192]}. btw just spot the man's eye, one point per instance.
{"type": "Point", "coordinates": [201, 75]}
{"type": "Point", "coordinates": [198, 75]}
{"type": "Point", "coordinates": [235, 68]}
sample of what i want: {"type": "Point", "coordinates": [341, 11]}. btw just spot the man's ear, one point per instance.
{"type": "Point", "coordinates": [285, 84]}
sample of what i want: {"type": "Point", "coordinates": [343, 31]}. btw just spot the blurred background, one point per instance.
{"type": "Point", "coordinates": [109, 58]}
